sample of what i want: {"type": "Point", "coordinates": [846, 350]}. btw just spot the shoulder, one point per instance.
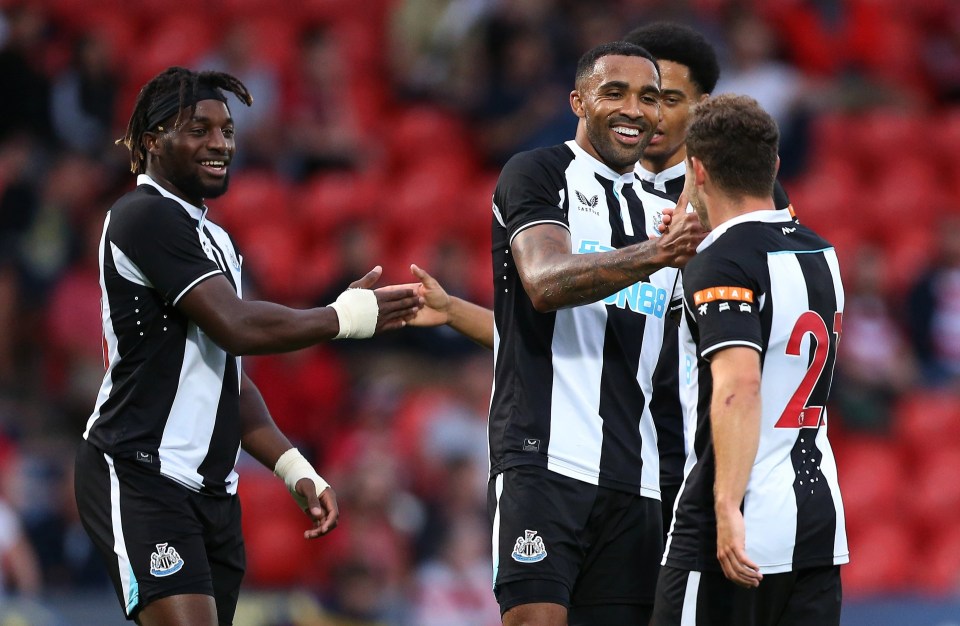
{"type": "Point", "coordinates": [539, 162]}
{"type": "Point", "coordinates": [142, 202]}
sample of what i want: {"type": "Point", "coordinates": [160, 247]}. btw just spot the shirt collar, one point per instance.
{"type": "Point", "coordinates": [197, 213]}
{"type": "Point", "coordinates": [770, 216]}
{"type": "Point", "coordinates": [600, 167]}
{"type": "Point", "coordinates": [660, 180]}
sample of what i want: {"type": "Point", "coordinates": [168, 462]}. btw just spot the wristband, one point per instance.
{"type": "Point", "coordinates": [357, 311]}
{"type": "Point", "coordinates": [291, 467]}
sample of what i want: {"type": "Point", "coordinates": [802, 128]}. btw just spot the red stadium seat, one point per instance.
{"type": "Point", "coordinates": [273, 529]}
{"type": "Point", "coordinates": [926, 417]}
{"type": "Point", "coordinates": [255, 198]}
{"type": "Point", "coordinates": [935, 492]}
{"type": "Point", "coordinates": [937, 568]}
{"type": "Point", "coordinates": [871, 478]}
{"type": "Point", "coordinates": [880, 555]}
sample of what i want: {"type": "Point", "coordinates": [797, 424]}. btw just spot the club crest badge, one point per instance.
{"type": "Point", "coordinates": [165, 561]}
{"type": "Point", "coordinates": [529, 548]}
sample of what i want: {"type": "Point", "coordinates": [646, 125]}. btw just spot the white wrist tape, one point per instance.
{"type": "Point", "coordinates": [357, 310]}
{"type": "Point", "coordinates": [291, 467]}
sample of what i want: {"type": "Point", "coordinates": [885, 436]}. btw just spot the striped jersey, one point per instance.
{"type": "Point", "coordinates": [572, 388]}
{"type": "Point", "coordinates": [673, 394]}
{"type": "Point", "coordinates": [170, 395]}
{"type": "Point", "coordinates": [763, 281]}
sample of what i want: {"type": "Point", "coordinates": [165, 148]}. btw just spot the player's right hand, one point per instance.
{"type": "Point", "coordinates": [682, 234]}
{"type": "Point", "coordinates": [732, 552]}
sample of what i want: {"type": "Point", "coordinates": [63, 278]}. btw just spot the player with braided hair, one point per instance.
{"type": "Point", "coordinates": [156, 485]}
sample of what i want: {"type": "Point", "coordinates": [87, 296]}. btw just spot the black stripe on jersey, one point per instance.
{"type": "Point", "coordinates": [665, 407]}
{"type": "Point", "coordinates": [621, 399]}
{"type": "Point", "coordinates": [129, 303]}
{"type": "Point", "coordinates": [817, 530]}
{"type": "Point", "coordinates": [671, 188]}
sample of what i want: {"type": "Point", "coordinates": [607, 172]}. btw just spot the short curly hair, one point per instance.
{"type": "Point", "coordinates": [669, 41]}
{"type": "Point", "coordinates": [737, 142]}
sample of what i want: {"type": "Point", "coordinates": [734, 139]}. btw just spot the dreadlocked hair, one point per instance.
{"type": "Point", "coordinates": [185, 82]}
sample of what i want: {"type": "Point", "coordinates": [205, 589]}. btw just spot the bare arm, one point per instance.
{"type": "Point", "coordinates": [241, 327]}
{"type": "Point", "coordinates": [735, 424]}
{"type": "Point", "coordinates": [470, 320]}
{"type": "Point", "coordinates": [261, 438]}
{"type": "Point", "coordinates": [555, 278]}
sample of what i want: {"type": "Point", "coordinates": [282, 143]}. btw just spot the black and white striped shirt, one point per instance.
{"type": "Point", "coordinates": [170, 395]}
{"type": "Point", "coordinates": [572, 388]}
{"type": "Point", "coordinates": [763, 281]}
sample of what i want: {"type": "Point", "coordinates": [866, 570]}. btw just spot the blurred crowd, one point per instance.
{"type": "Point", "coordinates": [375, 137]}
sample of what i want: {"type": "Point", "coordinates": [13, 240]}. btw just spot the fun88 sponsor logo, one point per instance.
{"type": "Point", "coordinates": [639, 297]}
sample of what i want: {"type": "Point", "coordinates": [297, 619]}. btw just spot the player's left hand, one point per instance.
{"type": "Point", "coordinates": [732, 552]}
{"type": "Point", "coordinates": [321, 508]}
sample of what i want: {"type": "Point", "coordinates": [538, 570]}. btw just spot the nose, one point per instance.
{"type": "Point", "coordinates": [216, 140]}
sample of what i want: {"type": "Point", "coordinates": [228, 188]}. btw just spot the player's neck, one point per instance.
{"type": "Point", "coordinates": [726, 208]}
{"type": "Point", "coordinates": [656, 166]}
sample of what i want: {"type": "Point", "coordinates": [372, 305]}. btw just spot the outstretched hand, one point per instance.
{"type": "Point", "coordinates": [322, 509]}
{"type": "Point", "coordinates": [397, 304]}
{"type": "Point", "coordinates": [436, 301]}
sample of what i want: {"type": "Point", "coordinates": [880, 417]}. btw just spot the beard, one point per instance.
{"type": "Point", "coordinates": [191, 184]}
{"type": "Point", "coordinates": [616, 156]}
{"type": "Point", "coordinates": [698, 206]}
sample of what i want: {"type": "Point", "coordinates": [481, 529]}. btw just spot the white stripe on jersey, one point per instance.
{"type": "Point", "coordinates": [189, 429]}
{"type": "Point", "coordinates": [771, 525]}
{"type": "Point", "coordinates": [109, 336]}
{"type": "Point", "coordinates": [577, 356]}
{"type": "Point", "coordinates": [127, 268]}
{"type": "Point", "coordinates": [652, 336]}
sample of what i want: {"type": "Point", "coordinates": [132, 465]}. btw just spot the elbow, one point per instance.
{"type": "Point", "coordinates": [542, 303]}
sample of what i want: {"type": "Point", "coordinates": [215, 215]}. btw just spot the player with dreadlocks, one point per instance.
{"type": "Point", "coordinates": [156, 484]}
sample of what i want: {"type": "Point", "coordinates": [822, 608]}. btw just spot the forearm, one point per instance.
{"type": "Point", "coordinates": [268, 328]}
{"type": "Point", "coordinates": [472, 321]}
{"type": "Point", "coordinates": [555, 278]}
{"type": "Point", "coordinates": [259, 434]}
{"type": "Point", "coordinates": [735, 423]}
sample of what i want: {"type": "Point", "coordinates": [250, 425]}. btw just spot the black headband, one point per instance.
{"type": "Point", "coordinates": [164, 107]}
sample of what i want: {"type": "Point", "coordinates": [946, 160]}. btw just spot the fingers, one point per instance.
{"type": "Point", "coordinates": [325, 514]}
{"type": "Point", "coordinates": [739, 568]}
{"type": "Point", "coordinates": [425, 278]}
{"type": "Point", "coordinates": [369, 280]}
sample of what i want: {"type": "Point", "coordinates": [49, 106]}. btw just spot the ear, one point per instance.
{"type": "Point", "coordinates": [702, 97]}
{"type": "Point", "coordinates": [576, 104]}
{"type": "Point", "coordinates": [699, 172]}
{"type": "Point", "coordinates": [151, 141]}
{"type": "Point", "coordinates": [776, 170]}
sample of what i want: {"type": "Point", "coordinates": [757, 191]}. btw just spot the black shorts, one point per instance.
{"type": "Point", "coordinates": [159, 538]}
{"type": "Point", "coordinates": [800, 598]}
{"type": "Point", "coordinates": [567, 542]}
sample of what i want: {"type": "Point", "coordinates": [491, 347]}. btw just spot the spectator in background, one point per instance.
{"type": "Point", "coordinates": [755, 70]}
{"type": "Point", "coordinates": [83, 97]}
{"type": "Point", "coordinates": [875, 364]}
{"type": "Point", "coordinates": [237, 54]}
{"type": "Point", "coordinates": [321, 130]}
{"type": "Point", "coordinates": [933, 311]}
{"type": "Point", "coordinates": [427, 38]}
{"type": "Point", "coordinates": [525, 107]}
{"type": "Point", "coordinates": [25, 106]}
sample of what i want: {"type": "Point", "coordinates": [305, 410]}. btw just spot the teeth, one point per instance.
{"type": "Point", "coordinates": [632, 132]}
{"type": "Point", "coordinates": [212, 163]}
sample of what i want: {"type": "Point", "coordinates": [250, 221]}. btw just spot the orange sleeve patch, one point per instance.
{"type": "Point", "coordinates": [740, 294]}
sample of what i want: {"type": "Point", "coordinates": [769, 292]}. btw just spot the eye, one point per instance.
{"type": "Point", "coordinates": [198, 132]}
{"type": "Point", "coordinates": [228, 133]}
{"type": "Point", "coordinates": [648, 99]}
{"type": "Point", "coordinates": [671, 101]}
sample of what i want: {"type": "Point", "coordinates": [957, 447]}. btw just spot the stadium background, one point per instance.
{"type": "Point", "coordinates": [376, 135]}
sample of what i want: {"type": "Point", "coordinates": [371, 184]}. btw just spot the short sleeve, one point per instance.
{"type": "Point", "coordinates": [723, 300]}
{"type": "Point", "coordinates": [528, 192]}
{"type": "Point", "coordinates": [161, 240]}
